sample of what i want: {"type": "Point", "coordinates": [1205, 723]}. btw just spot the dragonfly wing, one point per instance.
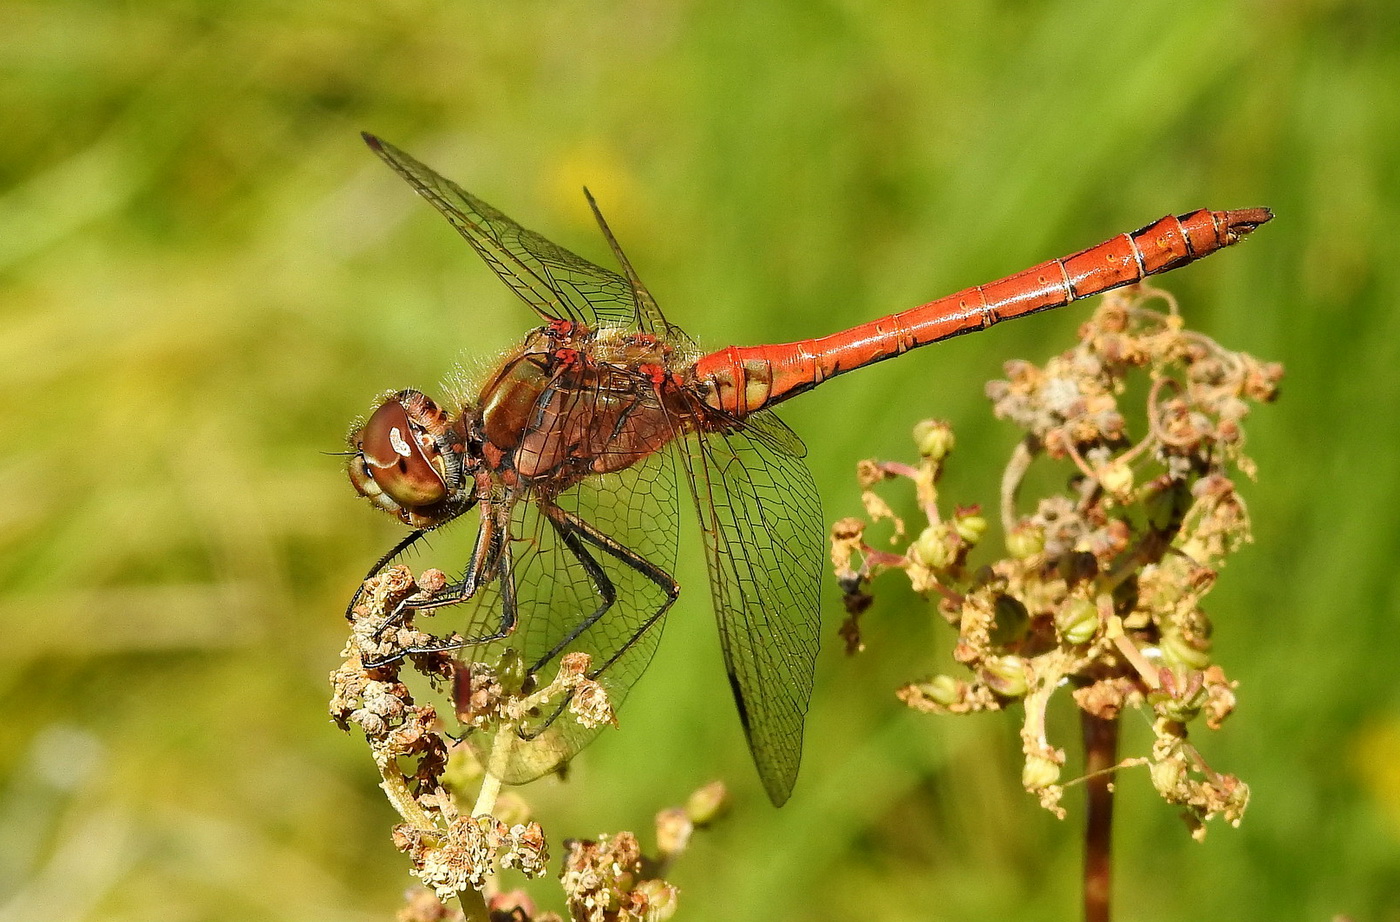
{"type": "Point", "coordinates": [620, 531]}
{"type": "Point", "coordinates": [769, 429]}
{"type": "Point", "coordinates": [761, 521]}
{"type": "Point", "coordinates": [558, 284]}
{"type": "Point", "coordinates": [649, 318]}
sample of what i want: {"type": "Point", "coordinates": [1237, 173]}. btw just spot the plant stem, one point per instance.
{"type": "Point", "coordinates": [495, 767]}
{"type": "Point", "coordinates": [486, 799]}
{"type": "Point", "coordinates": [396, 788]}
{"type": "Point", "coordinates": [473, 905]}
{"type": "Point", "coordinates": [1100, 754]}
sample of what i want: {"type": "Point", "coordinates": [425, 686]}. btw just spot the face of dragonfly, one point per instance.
{"type": "Point", "coordinates": [410, 459]}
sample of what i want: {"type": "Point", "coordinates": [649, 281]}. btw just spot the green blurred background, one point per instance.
{"type": "Point", "coordinates": [204, 275]}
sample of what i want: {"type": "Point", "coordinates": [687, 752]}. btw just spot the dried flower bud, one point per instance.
{"type": "Point", "coordinates": [1116, 478]}
{"type": "Point", "coordinates": [1011, 620]}
{"type": "Point", "coordinates": [1182, 694]}
{"type": "Point", "coordinates": [708, 803]}
{"type": "Point", "coordinates": [660, 898]}
{"type": "Point", "coordinates": [1262, 382]}
{"type": "Point", "coordinates": [943, 690]}
{"type": "Point", "coordinates": [1179, 650]}
{"type": "Point", "coordinates": [1077, 621]}
{"type": "Point", "coordinates": [1167, 776]}
{"type": "Point", "coordinates": [1039, 772]}
{"type": "Point", "coordinates": [847, 529]}
{"type": "Point", "coordinates": [868, 473]}
{"type": "Point", "coordinates": [511, 671]}
{"type": "Point", "coordinates": [673, 831]}
{"type": "Point", "coordinates": [970, 527]}
{"type": "Point", "coordinates": [431, 581]}
{"type": "Point", "coordinates": [934, 438]}
{"type": "Point", "coordinates": [1025, 540]}
{"type": "Point", "coordinates": [591, 706]}
{"type": "Point", "coordinates": [525, 848]}
{"type": "Point", "coordinates": [1005, 675]}
{"type": "Point", "coordinates": [933, 549]}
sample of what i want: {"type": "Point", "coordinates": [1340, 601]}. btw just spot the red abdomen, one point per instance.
{"type": "Point", "coordinates": [741, 380]}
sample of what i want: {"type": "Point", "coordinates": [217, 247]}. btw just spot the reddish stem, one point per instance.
{"type": "Point", "coordinates": [1100, 755]}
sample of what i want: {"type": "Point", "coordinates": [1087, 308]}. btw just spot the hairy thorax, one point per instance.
{"type": "Point", "coordinates": [572, 401]}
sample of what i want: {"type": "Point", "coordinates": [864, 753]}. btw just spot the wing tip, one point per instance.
{"type": "Point", "coordinates": [779, 790]}
{"type": "Point", "coordinates": [779, 776]}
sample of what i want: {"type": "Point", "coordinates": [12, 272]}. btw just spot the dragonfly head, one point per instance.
{"type": "Point", "coordinates": [410, 460]}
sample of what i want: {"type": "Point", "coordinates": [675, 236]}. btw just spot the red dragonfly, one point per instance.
{"type": "Point", "coordinates": [569, 453]}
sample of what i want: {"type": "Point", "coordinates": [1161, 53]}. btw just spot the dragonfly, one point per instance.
{"type": "Point", "coordinates": [570, 451]}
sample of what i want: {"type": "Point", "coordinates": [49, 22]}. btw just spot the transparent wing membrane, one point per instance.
{"type": "Point", "coordinates": [589, 571]}
{"type": "Point", "coordinates": [558, 284]}
{"type": "Point", "coordinates": [761, 521]}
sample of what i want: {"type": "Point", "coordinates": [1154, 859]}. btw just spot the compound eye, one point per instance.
{"type": "Point", "coordinates": [395, 456]}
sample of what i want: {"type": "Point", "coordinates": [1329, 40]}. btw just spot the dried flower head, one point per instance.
{"type": "Point", "coordinates": [606, 881]}
{"type": "Point", "coordinates": [458, 852]}
{"type": "Point", "coordinates": [452, 851]}
{"type": "Point", "coordinates": [1100, 592]}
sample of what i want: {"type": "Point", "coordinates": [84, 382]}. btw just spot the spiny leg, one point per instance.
{"type": "Point", "coordinates": [491, 560]}
{"type": "Point", "coordinates": [411, 539]}
{"type": "Point", "coordinates": [576, 534]}
{"type": "Point", "coordinates": [574, 531]}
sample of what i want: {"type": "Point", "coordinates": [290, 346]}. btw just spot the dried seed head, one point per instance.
{"type": "Point", "coordinates": [1101, 590]}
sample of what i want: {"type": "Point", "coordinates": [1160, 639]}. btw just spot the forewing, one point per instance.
{"type": "Point", "coordinates": [762, 526]}
{"type": "Point", "coordinates": [649, 318]}
{"type": "Point", "coordinates": [558, 284]}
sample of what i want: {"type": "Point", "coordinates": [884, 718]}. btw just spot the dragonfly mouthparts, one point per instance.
{"type": "Point", "coordinates": [1243, 220]}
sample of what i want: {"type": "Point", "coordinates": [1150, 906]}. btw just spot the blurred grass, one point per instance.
{"type": "Point", "coordinates": [204, 276]}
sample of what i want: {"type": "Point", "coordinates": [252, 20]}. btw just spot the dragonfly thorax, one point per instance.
{"type": "Point", "coordinates": [572, 402]}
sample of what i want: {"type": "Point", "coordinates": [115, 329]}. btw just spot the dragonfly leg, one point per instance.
{"type": "Point", "coordinates": [575, 532]}
{"type": "Point", "coordinates": [411, 539]}
{"type": "Point", "coordinates": [490, 560]}
{"type": "Point", "coordinates": [577, 535]}
{"type": "Point", "coordinates": [506, 627]}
